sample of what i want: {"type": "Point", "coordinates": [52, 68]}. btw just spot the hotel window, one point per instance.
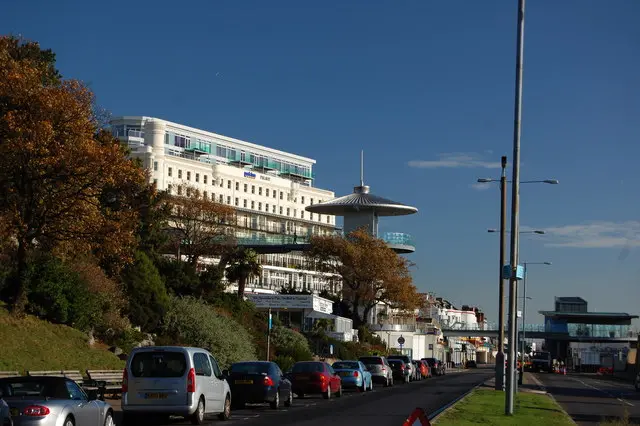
{"type": "Point", "coordinates": [170, 172]}
{"type": "Point", "coordinates": [302, 199]}
{"type": "Point", "coordinates": [253, 189]}
{"type": "Point", "coordinates": [228, 199]}
{"type": "Point", "coordinates": [275, 193]}
{"type": "Point", "coordinates": [237, 202]}
{"type": "Point", "coordinates": [179, 190]}
{"type": "Point", "coordinates": [259, 190]}
{"type": "Point", "coordinates": [197, 177]}
{"type": "Point", "coordinates": [266, 192]}
{"type": "Point", "coordinates": [169, 188]}
{"type": "Point", "coordinates": [281, 195]}
{"type": "Point", "coordinates": [237, 186]}
{"type": "Point", "coordinates": [266, 208]}
{"type": "Point", "coordinates": [301, 214]}
{"type": "Point", "coordinates": [328, 219]}
{"type": "Point", "coordinates": [213, 197]}
{"type": "Point", "coordinates": [221, 182]}
{"type": "Point", "coordinates": [288, 211]}
{"type": "Point", "coordinates": [188, 175]}
{"type": "Point", "coordinates": [274, 208]}
{"type": "Point", "coordinates": [179, 173]}
{"type": "Point", "coordinates": [280, 209]}
{"type": "Point", "coordinates": [311, 201]}
{"type": "Point", "coordinates": [221, 199]}
{"type": "Point", "coordinates": [319, 218]}
{"type": "Point", "coordinates": [253, 205]}
{"type": "Point", "coordinates": [260, 206]}
{"type": "Point", "coordinates": [229, 184]}
{"type": "Point", "coordinates": [310, 216]}
{"type": "Point", "coordinates": [244, 203]}
{"type": "Point", "coordinates": [245, 187]}
{"type": "Point", "coordinates": [155, 166]}
{"type": "Point", "coordinates": [204, 179]}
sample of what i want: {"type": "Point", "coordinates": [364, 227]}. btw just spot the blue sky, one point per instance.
{"type": "Point", "coordinates": [426, 89]}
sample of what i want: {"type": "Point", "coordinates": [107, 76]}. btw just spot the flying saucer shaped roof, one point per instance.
{"type": "Point", "coordinates": [361, 200]}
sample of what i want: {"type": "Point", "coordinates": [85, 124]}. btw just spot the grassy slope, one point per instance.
{"type": "Point", "coordinates": [487, 407]}
{"type": "Point", "coordinates": [33, 344]}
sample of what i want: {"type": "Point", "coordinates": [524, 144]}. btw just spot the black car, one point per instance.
{"type": "Point", "coordinates": [472, 364]}
{"type": "Point", "coordinates": [254, 382]}
{"type": "Point", "coordinates": [400, 370]}
{"type": "Point", "coordinates": [437, 367]}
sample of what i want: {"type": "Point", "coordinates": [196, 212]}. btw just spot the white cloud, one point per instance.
{"type": "Point", "coordinates": [479, 186]}
{"type": "Point", "coordinates": [598, 234]}
{"type": "Point", "coordinates": [456, 160]}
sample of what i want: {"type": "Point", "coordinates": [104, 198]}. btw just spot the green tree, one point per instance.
{"type": "Point", "coordinates": [180, 278]}
{"type": "Point", "coordinates": [148, 298]}
{"type": "Point", "coordinates": [243, 265]}
{"type": "Point", "coordinates": [55, 164]}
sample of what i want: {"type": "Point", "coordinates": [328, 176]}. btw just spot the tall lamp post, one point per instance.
{"type": "Point", "coordinates": [500, 373]}
{"type": "Point", "coordinates": [524, 313]}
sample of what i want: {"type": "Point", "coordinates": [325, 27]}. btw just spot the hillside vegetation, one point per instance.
{"type": "Point", "coordinates": [33, 344]}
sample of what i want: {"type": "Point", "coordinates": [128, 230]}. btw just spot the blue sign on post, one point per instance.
{"type": "Point", "coordinates": [270, 321]}
{"type": "Point", "coordinates": [506, 272]}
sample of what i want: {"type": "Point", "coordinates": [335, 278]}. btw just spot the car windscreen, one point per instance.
{"type": "Point", "coordinates": [158, 364]}
{"type": "Point", "coordinates": [395, 362]}
{"type": "Point", "coordinates": [33, 388]}
{"type": "Point", "coordinates": [350, 365]}
{"type": "Point", "coordinates": [430, 361]}
{"type": "Point", "coordinates": [250, 368]}
{"type": "Point", "coordinates": [308, 367]}
{"type": "Point", "coordinates": [371, 360]}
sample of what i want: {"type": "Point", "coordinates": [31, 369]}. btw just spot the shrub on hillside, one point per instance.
{"type": "Point", "coordinates": [180, 278]}
{"type": "Point", "coordinates": [148, 298]}
{"type": "Point", "coordinates": [290, 343]}
{"type": "Point", "coordinates": [190, 321]}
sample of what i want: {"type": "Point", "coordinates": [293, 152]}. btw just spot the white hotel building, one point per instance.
{"type": "Point", "coordinates": [268, 188]}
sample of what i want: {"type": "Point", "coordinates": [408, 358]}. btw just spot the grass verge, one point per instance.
{"type": "Point", "coordinates": [486, 407]}
{"type": "Point", "coordinates": [32, 344]}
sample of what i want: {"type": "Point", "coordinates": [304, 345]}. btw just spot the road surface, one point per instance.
{"type": "Point", "coordinates": [590, 400]}
{"type": "Point", "coordinates": [382, 407]}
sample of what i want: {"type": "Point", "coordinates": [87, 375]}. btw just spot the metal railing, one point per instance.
{"type": "Point", "coordinates": [397, 238]}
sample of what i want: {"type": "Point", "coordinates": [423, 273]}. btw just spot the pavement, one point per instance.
{"type": "Point", "coordinates": [382, 407]}
{"type": "Point", "coordinates": [591, 399]}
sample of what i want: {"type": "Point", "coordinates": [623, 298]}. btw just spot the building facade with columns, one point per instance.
{"type": "Point", "coordinates": [268, 188]}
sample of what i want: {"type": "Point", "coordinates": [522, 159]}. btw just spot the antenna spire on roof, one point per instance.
{"type": "Point", "coordinates": [361, 167]}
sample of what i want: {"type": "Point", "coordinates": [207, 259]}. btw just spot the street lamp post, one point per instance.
{"type": "Point", "coordinates": [524, 313]}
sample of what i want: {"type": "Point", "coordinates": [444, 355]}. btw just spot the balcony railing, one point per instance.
{"type": "Point", "coordinates": [398, 238]}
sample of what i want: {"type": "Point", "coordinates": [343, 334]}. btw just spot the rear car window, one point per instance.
{"type": "Point", "coordinates": [352, 365]}
{"type": "Point", "coordinates": [371, 360]}
{"type": "Point", "coordinates": [250, 368]}
{"type": "Point", "coordinates": [158, 364]}
{"type": "Point", "coordinates": [308, 367]}
{"type": "Point", "coordinates": [395, 362]}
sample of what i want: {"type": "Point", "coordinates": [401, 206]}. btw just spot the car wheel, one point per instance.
{"type": "Point", "coordinates": [108, 421]}
{"type": "Point", "coordinates": [275, 404]}
{"type": "Point", "coordinates": [363, 388]}
{"type": "Point", "coordinates": [339, 393]}
{"type": "Point", "coordinates": [371, 385]}
{"type": "Point", "coordinates": [289, 400]}
{"type": "Point", "coordinates": [68, 421]}
{"type": "Point", "coordinates": [327, 394]}
{"type": "Point", "coordinates": [197, 418]}
{"type": "Point", "coordinates": [226, 410]}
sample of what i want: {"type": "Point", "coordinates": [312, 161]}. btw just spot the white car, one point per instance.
{"type": "Point", "coordinates": [173, 381]}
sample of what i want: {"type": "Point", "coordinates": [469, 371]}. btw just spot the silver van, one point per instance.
{"type": "Point", "coordinates": [172, 380]}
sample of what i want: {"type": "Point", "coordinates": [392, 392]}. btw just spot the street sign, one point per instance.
{"type": "Point", "coordinates": [430, 346]}
{"type": "Point", "coordinates": [331, 349]}
{"type": "Point", "coordinates": [506, 272]}
{"type": "Point", "coordinates": [401, 340]}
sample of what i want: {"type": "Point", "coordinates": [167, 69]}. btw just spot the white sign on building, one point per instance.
{"type": "Point", "coordinates": [292, 301]}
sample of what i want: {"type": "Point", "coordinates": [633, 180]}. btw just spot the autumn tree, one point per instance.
{"type": "Point", "coordinates": [369, 270]}
{"type": "Point", "coordinates": [55, 165]}
{"type": "Point", "coordinates": [199, 226]}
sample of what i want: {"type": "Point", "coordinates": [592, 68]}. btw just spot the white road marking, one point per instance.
{"type": "Point", "coordinates": [604, 392]}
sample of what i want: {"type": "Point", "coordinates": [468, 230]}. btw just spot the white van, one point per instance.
{"type": "Point", "coordinates": [173, 380]}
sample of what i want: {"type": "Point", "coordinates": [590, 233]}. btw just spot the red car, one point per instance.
{"type": "Point", "coordinates": [425, 370]}
{"type": "Point", "coordinates": [315, 377]}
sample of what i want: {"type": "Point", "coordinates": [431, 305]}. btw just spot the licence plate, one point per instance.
{"type": "Point", "coordinates": [244, 382]}
{"type": "Point", "coordinates": [14, 412]}
{"type": "Point", "coordinates": [155, 395]}
{"type": "Point", "coordinates": [345, 373]}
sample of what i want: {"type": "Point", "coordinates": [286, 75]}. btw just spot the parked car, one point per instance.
{"type": "Point", "coordinates": [417, 374]}
{"type": "Point", "coordinates": [313, 377]}
{"type": "Point", "coordinates": [354, 374]}
{"type": "Point", "coordinates": [425, 371]}
{"type": "Point", "coordinates": [5, 415]}
{"type": "Point", "coordinates": [258, 382]}
{"type": "Point", "coordinates": [437, 367]}
{"type": "Point", "coordinates": [379, 368]}
{"type": "Point", "coordinates": [400, 370]}
{"type": "Point", "coordinates": [52, 401]}
{"type": "Point", "coordinates": [472, 364]}
{"type": "Point", "coordinates": [173, 380]}
{"type": "Point", "coordinates": [407, 363]}
{"type": "Point", "coordinates": [637, 382]}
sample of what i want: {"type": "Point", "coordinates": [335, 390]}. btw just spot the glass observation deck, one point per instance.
{"type": "Point", "coordinates": [399, 241]}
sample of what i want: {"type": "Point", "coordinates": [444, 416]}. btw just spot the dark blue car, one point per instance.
{"type": "Point", "coordinates": [254, 382]}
